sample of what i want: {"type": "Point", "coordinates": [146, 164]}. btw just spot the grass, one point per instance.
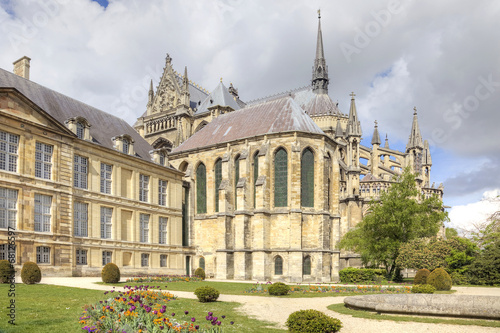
{"type": "Point", "coordinates": [45, 309]}
{"type": "Point", "coordinates": [342, 309]}
{"type": "Point", "coordinates": [233, 288]}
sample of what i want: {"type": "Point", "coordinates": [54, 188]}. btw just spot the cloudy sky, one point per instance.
{"type": "Point", "coordinates": [442, 57]}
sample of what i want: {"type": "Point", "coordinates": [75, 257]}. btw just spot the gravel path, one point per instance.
{"type": "Point", "coordinates": [277, 310]}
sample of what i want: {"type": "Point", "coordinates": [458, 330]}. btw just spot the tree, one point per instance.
{"type": "Point", "coordinates": [452, 254]}
{"type": "Point", "coordinates": [396, 218]}
{"type": "Point", "coordinates": [487, 232]}
{"type": "Point", "coordinates": [450, 232]}
{"type": "Point", "coordinates": [486, 268]}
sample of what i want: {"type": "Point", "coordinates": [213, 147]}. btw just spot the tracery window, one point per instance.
{"type": "Point", "coordinates": [307, 178]}
{"type": "Point", "coordinates": [218, 179]}
{"type": "Point", "coordinates": [278, 265]}
{"type": "Point", "coordinates": [306, 266]}
{"type": "Point", "coordinates": [201, 189]}
{"type": "Point", "coordinates": [281, 178]}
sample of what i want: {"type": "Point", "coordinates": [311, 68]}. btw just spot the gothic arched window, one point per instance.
{"type": "Point", "coordinates": [278, 265]}
{"type": "Point", "coordinates": [307, 178]}
{"type": "Point", "coordinates": [201, 189]}
{"type": "Point", "coordinates": [255, 175]}
{"type": "Point", "coordinates": [236, 179]}
{"type": "Point", "coordinates": [202, 263]}
{"type": "Point", "coordinates": [306, 266]}
{"type": "Point", "coordinates": [218, 179]}
{"type": "Point", "coordinates": [281, 178]}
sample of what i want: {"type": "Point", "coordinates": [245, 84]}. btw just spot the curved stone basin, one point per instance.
{"type": "Point", "coordinates": [467, 306]}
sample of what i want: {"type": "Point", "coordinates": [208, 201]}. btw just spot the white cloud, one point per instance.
{"type": "Point", "coordinates": [465, 217]}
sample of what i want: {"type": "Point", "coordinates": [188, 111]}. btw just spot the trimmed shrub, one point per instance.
{"type": "Point", "coordinates": [206, 294]}
{"type": "Point", "coordinates": [110, 273]}
{"type": "Point", "coordinates": [423, 289]}
{"type": "Point", "coordinates": [440, 279]}
{"type": "Point", "coordinates": [6, 271]}
{"type": "Point", "coordinates": [199, 272]}
{"type": "Point", "coordinates": [421, 276]}
{"type": "Point", "coordinates": [278, 289]}
{"type": "Point", "coordinates": [356, 275]}
{"type": "Point", "coordinates": [30, 273]}
{"type": "Point", "coordinates": [312, 321]}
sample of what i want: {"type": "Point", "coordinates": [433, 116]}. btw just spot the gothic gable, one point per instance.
{"type": "Point", "coordinates": [168, 93]}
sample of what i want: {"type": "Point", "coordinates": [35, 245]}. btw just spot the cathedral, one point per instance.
{"type": "Point", "coordinates": [271, 185]}
{"type": "Point", "coordinates": [247, 190]}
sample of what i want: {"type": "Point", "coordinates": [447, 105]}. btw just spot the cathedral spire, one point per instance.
{"type": "Point", "coordinates": [353, 124]}
{"type": "Point", "coordinates": [415, 139]}
{"type": "Point", "coordinates": [376, 136]}
{"type": "Point", "coordinates": [386, 145]}
{"type": "Point", "coordinates": [320, 70]}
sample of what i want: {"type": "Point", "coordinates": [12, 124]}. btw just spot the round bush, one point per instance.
{"type": "Point", "coordinates": [312, 321]}
{"type": "Point", "coordinates": [440, 279]}
{"type": "Point", "coordinates": [278, 289]}
{"type": "Point", "coordinates": [110, 273]}
{"type": "Point", "coordinates": [6, 271]}
{"type": "Point", "coordinates": [206, 294]}
{"type": "Point", "coordinates": [199, 272]}
{"type": "Point", "coordinates": [30, 273]}
{"type": "Point", "coordinates": [423, 289]}
{"type": "Point", "coordinates": [421, 276]}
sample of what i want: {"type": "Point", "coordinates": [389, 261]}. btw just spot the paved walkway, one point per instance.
{"type": "Point", "coordinates": [277, 310]}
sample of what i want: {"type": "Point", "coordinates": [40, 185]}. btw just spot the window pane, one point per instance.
{"type": "Point", "coordinates": [255, 175]}
{"type": "Point", "coordinates": [306, 267]}
{"type": "Point", "coordinates": [307, 179]}
{"type": "Point", "coordinates": [236, 179]}
{"type": "Point", "coordinates": [201, 189]}
{"type": "Point", "coordinates": [281, 178]}
{"type": "Point", "coordinates": [218, 179]}
{"type": "Point", "coordinates": [8, 208]}
{"type": "Point", "coordinates": [278, 266]}
{"type": "Point", "coordinates": [42, 212]}
{"type": "Point", "coordinates": [8, 151]}
{"type": "Point", "coordinates": [43, 160]}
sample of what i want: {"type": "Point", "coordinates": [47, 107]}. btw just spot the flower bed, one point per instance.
{"type": "Point", "coordinates": [138, 309]}
{"type": "Point", "coordinates": [261, 288]}
{"type": "Point", "coordinates": [163, 278]}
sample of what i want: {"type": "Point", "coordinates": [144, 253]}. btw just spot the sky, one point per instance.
{"type": "Point", "coordinates": [441, 57]}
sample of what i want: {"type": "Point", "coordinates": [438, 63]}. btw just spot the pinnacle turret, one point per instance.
{"type": "Point", "coordinates": [320, 70]}
{"type": "Point", "coordinates": [151, 93]}
{"type": "Point", "coordinates": [376, 136]}
{"type": "Point", "coordinates": [339, 133]}
{"type": "Point", "coordinates": [386, 145]}
{"type": "Point", "coordinates": [353, 125]}
{"type": "Point", "coordinates": [415, 139]}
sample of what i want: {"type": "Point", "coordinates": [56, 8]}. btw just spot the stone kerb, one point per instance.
{"type": "Point", "coordinates": [468, 306]}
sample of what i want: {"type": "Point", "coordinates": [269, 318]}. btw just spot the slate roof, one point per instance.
{"type": "Point", "coordinates": [314, 104]}
{"type": "Point", "coordinates": [279, 115]}
{"type": "Point", "coordinates": [219, 96]}
{"type": "Point", "coordinates": [370, 178]}
{"type": "Point", "coordinates": [104, 126]}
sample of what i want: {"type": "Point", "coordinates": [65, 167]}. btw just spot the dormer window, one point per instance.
{"type": "Point", "coordinates": [125, 146]}
{"type": "Point", "coordinates": [80, 126]}
{"type": "Point", "coordinates": [160, 156]}
{"type": "Point", "coordinates": [80, 130]}
{"type": "Point", "coordinates": [124, 143]}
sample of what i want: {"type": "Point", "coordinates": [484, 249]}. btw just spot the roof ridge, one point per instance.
{"type": "Point", "coordinates": [277, 95]}
{"type": "Point", "coordinates": [192, 83]}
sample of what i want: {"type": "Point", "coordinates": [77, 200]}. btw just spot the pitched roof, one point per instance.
{"type": "Point", "coordinates": [219, 96]}
{"type": "Point", "coordinates": [280, 115]}
{"type": "Point", "coordinates": [370, 178]}
{"type": "Point", "coordinates": [104, 126]}
{"type": "Point", "coordinates": [314, 104]}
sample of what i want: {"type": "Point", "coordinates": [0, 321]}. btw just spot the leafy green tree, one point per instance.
{"type": "Point", "coordinates": [487, 232]}
{"type": "Point", "coordinates": [398, 217]}
{"type": "Point", "coordinates": [452, 254]}
{"type": "Point", "coordinates": [450, 232]}
{"type": "Point", "coordinates": [486, 268]}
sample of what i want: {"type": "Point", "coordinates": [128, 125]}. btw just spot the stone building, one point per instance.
{"type": "Point", "coordinates": [80, 188]}
{"type": "Point", "coordinates": [274, 183]}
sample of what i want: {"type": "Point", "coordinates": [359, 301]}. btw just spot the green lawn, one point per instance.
{"type": "Point", "coordinates": [341, 308]}
{"type": "Point", "coordinates": [45, 309]}
{"type": "Point", "coordinates": [234, 288]}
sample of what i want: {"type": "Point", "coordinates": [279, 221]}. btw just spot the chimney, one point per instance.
{"type": "Point", "coordinates": [22, 67]}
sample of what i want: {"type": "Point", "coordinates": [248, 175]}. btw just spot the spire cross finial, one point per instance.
{"type": "Point", "coordinates": [376, 124]}
{"type": "Point", "coordinates": [220, 79]}
{"type": "Point", "coordinates": [414, 110]}
{"type": "Point", "coordinates": [352, 95]}
{"type": "Point", "coordinates": [319, 13]}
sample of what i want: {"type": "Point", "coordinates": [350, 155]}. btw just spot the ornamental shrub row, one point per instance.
{"type": "Point", "coordinates": [356, 275]}
{"type": "Point", "coordinates": [423, 289]}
